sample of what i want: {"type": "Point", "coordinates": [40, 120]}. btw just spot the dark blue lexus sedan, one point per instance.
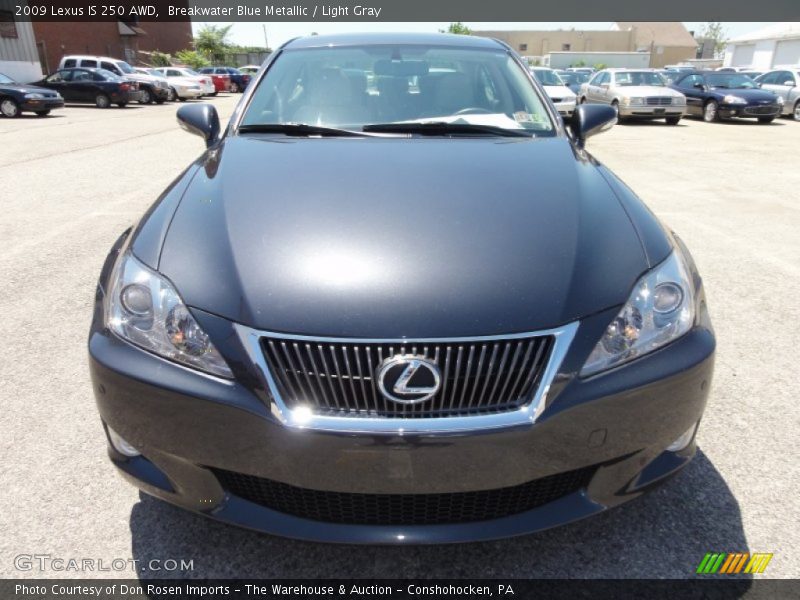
{"type": "Point", "coordinates": [717, 95]}
{"type": "Point", "coordinates": [396, 301]}
{"type": "Point", "coordinates": [16, 98]}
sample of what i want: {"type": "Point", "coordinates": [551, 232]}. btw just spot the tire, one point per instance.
{"type": "Point", "coordinates": [160, 100]}
{"type": "Point", "coordinates": [235, 89]}
{"type": "Point", "coordinates": [796, 111]}
{"type": "Point", "coordinates": [615, 106]}
{"type": "Point", "coordinates": [42, 113]}
{"type": "Point", "coordinates": [173, 95]}
{"type": "Point", "coordinates": [122, 104]}
{"type": "Point", "coordinates": [9, 108]}
{"type": "Point", "coordinates": [102, 101]}
{"type": "Point", "coordinates": [673, 120]}
{"type": "Point", "coordinates": [766, 120]}
{"type": "Point", "coordinates": [582, 100]}
{"type": "Point", "coordinates": [147, 97]}
{"type": "Point", "coordinates": [214, 93]}
{"type": "Point", "coordinates": [711, 112]}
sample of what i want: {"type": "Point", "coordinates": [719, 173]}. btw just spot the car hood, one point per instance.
{"type": "Point", "coordinates": [399, 237]}
{"type": "Point", "coordinates": [26, 88]}
{"type": "Point", "coordinates": [754, 95]}
{"type": "Point", "coordinates": [558, 91]}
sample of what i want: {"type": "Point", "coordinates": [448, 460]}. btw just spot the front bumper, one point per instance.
{"type": "Point", "coordinates": [43, 104]}
{"type": "Point", "coordinates": [753, 111]}
{"type": "Point", "coordinates": [188, 426]}
{"type": "Point", "coordinates": [565, 108]}
{"type": "Point", "coordinates": [651, 112]}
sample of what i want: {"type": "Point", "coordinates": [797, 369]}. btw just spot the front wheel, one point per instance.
{"type": "Point", "coordinates": [9, 108]}
{"type": "Point", "coordinates": [173, 95]}
{"type": "Point", "coordinates": [146, 97]}
{"type": "Point", "coordinates": [766, 120]}
{"type": "Point", "coordinates": [711, 112]}
{"type": "Point", "coordinates": [796, 112]}
{"type": "Point", "coordinates": [582, 100]}
{"type": "Point", "coordinates": [122, 104]}
{"type": "Point", "coordinates": [102, 101]}
{"type": "Point", "coordinates": [160, 100]}
{"type": "Point", "coordinates": [214, 93]}
{"type": "Point", "coordinates": [42, 113]}
{"type": "Point", "coordinates": [673, 120]}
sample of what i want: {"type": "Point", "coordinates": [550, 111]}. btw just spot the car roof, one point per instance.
{"type": "Point", "coordinates": [89, 56]}
{"type": "Point", "coordinates": [377, 39]}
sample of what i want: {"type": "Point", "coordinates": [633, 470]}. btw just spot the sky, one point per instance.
{"type": "Point", "coordinates": [252, 34]}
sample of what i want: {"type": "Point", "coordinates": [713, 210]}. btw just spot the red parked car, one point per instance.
{"type": "Point", "coordinates": [221, 79]}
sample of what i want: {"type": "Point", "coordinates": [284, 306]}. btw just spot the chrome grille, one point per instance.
{"type": "Point", "coordinates": [659, 101]}
{"type": "Point", "coordinates": [338, 378]}
{"type": "Point", "coordinates": [762, 110]}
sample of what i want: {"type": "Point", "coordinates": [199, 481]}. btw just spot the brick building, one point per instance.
{"type": "Point", "coordinates": [128, 41]}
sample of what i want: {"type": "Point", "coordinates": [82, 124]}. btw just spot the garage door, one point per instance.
{"type": "Point", "coordinates": [743, 55]}
{"type": "Point", "coordinates": [787, 52]}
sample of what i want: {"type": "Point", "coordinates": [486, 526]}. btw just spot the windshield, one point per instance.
{"type": "Point", "coordinates": [352, 87]}
{"type": "Point", "coordinates": [108, 75]}
{"type": "Point", "coordinates": [546, 77]}
{"type": "Point", "coordinates": [627, 78]}
{"type": "Point", "coordinates": [124, 67]}
{"type": "Point", "coordinates": [5, 79]}
{"type": "Point", "coordinates": [730, 81]}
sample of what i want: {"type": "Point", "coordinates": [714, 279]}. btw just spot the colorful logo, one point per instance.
{"type": "Point", "coordinates": [737, 562]}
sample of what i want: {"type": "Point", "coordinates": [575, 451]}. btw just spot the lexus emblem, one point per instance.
{"type": "Point", "coordinates": [408, 379]}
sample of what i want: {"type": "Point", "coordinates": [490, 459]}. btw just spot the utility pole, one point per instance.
{"type": "Point", "coordinates": [266, 43]}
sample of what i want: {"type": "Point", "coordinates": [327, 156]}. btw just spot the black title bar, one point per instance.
{"type": "Point", "coordinates": [406, 10]}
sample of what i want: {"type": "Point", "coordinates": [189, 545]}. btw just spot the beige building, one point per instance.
{"type": "Point", "coordinates": [667, 43]}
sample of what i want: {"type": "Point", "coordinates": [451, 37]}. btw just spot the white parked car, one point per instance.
{"type": "Point", "coordinates": [635, 94]}
{"type": "Point", "coordinates": [558, 91]}
{"type": "Point", "coordinates": [204, 81]}
{"type": "Point", "coordinates": [180, 88]}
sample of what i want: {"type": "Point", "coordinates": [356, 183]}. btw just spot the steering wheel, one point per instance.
{"type": "Point", "coordinates": [473, 110]}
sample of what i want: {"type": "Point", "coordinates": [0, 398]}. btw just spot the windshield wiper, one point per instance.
{"type": "Point", "coordinates": [444, 128]}
{"type": "Point", "coordinates": [298, 129]}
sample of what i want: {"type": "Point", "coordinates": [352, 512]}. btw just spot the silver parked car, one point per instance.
{"type": "Point", "coordinates": [635, 94]}
{"type": "Point", "coordinates": [785, 83]}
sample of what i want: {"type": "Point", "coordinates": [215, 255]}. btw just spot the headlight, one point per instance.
{"type": "Point", "coordinates": [678, 101]}
{"type": "Point", "coordinates": [143, 308]}
{"type": "Point", "coordinates": [636, 101]}
{"type": "Point", "coordinates": [659, 310]}
{"type": "Point", "coordinates": [34, 96]}
{"type": "Point", "coordinates": [779, 100]}
{"type": "Point", "coordinates": [731, 99]}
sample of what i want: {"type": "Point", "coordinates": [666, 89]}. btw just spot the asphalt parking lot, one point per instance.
{"type": "Point", "coordinates": [71, 183]}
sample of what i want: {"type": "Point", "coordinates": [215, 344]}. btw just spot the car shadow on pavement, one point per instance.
{"type": "Point", "coordinates": [664, 534]}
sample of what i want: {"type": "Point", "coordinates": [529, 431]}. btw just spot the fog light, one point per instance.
{"type": "Point", "coordinates": [684, 440]}
{"type": "Point", "coordinates": [120, 445]}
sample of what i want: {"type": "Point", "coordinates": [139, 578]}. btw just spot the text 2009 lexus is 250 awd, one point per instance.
{"type": "Point", "coordinates": [395, 301]}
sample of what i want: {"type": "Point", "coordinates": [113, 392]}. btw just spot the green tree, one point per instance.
{"type": "Point", "coordinates": [718, 35]}
{"type": "Point", "coordinates": [160, 59]}
{"type": "Point", "coordinates": [212, 42]}
{"type": "Point", "coordinates": [458, 28]}
{"type": "Point", "coordinates": [192, 58]}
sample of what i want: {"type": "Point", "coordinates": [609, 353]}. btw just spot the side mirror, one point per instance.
{"type": "Point", "coordinates": [202, 120]}
{"type": "Point", "coordinates": [604, 85]}
{"type": "Point", "coordinates": [591, 119]}
{"type": "Point", "coordinates": [789, 82]}
{"type": "Point", "coordinates": [699, 86]}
